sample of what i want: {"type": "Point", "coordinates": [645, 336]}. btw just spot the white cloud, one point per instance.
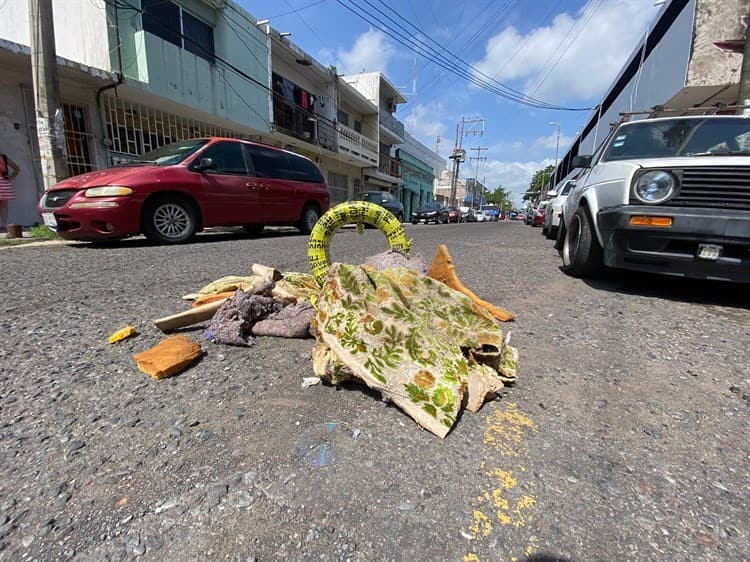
{"type": "Point", "coordinates": [371, 52]}
{"type": "Point", "coordinates": [424, 122]}
{"type": "Point", "coordinates": [575, 57]}
{"type": "Point", "coordinates": [513, 176]}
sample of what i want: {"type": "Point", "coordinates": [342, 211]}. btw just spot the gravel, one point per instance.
{"type": "Point", "coordinates": [625, 437]}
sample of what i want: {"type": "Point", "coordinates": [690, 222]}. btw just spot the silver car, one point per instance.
{"type": "Point", "coordinates": [554, 208]}
{"type": "Point", "coordinates": [668, 195]}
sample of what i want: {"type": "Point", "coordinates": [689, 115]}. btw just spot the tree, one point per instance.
{"type": "Point", "coordinates": [500, 197]}
{"type": "Point", "coordinates": [540, 179]}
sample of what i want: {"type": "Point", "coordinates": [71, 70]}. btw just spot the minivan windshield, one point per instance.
{"type": "Point", "coordinates": [169, 154]}
{"type": "Point", "coordinates": [711, 136]}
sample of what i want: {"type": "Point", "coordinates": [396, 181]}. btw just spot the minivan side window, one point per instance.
{"type": "Point", "coordinates": [269, 163]}
{"type": "Point", "coordinates": [227, 156]}
{"type": "Point", "coordinates": [305, 170]}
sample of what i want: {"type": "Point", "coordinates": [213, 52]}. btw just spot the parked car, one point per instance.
{"type": "Point", "coordinates": [513, 215]}
{"type": "Point", "coordinates": [537, 217]}
{"type": "Point", "coordinates": [384, 199]}
{"type": "Point", "coordinates": [668, 196]}
{"type": "Point", "coordinates": [454, 214]}
{"type": "Point", "coordinates": [521, 217]}
{"type": "Point", "coordinates": [173, 192]}
{"type": "Point", "coordinates": [466, 214]}
{"type": "Point", "coordinates": [491, 212]}
{"type": "Point", "coordinates": [431, 212]}
{"type": "Point", "coordinates": [553, 210]}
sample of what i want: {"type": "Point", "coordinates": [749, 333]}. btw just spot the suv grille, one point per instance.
{"type": "Point", "coordinates": [55, 199]}
{"type": "Point", "coordinates": [723, 187]}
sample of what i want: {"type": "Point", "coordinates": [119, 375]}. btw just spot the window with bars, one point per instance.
{"type": "Point", "coordinates": [135, 129]}
{"type": "Point", "coordinates": [338, 184]}
{"type": "Point", "coordinates": [78, 140]}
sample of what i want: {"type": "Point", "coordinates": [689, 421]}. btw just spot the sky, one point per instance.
{"type": "Point", "coordinates": [561, 53]}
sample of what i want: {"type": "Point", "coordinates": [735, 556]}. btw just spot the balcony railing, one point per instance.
{"type": "Point", "coordinates": [389, 166]}
{"type": "Point", "coordinates": [355, 143]}
{"type": "Point", "coordinates": [392, 124]}
{"type": "Point", "coordinates": [295, 121]}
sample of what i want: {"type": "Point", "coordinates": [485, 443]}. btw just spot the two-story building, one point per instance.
{"type": "Point", "coordinates": [150, 72]}
{"type": "Point", "coordinates": [143, 74]}
{"type": "Point", "coordinates": [420, 166]}
{"type": "Point", "coordinates": [375, 87]}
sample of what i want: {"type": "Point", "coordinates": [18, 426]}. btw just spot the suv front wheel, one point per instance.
{"type": "Point", "coordinates": [581, 252]}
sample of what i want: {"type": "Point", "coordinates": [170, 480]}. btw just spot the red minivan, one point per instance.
{"type": "Point", "coordinates": [173, 192]}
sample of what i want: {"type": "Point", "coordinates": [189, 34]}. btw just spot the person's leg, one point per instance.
{"type": "Point", "coordinates": [3, 213]}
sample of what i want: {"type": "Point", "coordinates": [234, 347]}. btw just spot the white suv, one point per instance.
{"type": "Point", "coordinates": [668, 196]}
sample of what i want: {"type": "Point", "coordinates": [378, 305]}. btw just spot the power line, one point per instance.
{"type": "Point", "coordinates": [527, 38]}
{"type": "Point", "coordinates": [560, 52]}
{"type": "Point", "coordinates": [297, 10]}
{"type": "Point", "coordinates": [439, 73]}
{"type": "Point", "coordinates": [423, 49]}
{"type": "Point", "coordinates": [507, 4]}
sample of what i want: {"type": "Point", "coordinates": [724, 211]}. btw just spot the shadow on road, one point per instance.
{"type": "Point", "coordinates": [206, 237]}
{"type": "Point", "coordinates": [673, 288]}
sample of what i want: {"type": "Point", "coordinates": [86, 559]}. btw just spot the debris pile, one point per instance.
{"type": "Point", "coordinates": [413, 333]}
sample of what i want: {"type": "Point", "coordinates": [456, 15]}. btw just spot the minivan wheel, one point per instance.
{"type": "Point", "coordinates": [309, 219]}
{"type": "Point", "coordinates": [581, 253]}
{"type": "Point", "coordinates": [169, 220]}
{"type": "Point", "coordinates": [400, 217]}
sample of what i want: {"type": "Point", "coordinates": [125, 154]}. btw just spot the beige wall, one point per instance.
{"type": "Point", "coordinates": [717, 20]}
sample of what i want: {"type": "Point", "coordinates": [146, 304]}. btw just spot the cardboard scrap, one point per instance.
{"type": "Point", "coordinates": [209, 298]}
{"type": "Point", "coordinates": [443, 270]}
{"type": "Point", "coordinates": [168, 357]}
{"type": "Point", "coordinates": [121, 334]}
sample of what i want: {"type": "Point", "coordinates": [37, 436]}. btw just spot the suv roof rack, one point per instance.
{"type": "Point", "coordinates": [660, 111]}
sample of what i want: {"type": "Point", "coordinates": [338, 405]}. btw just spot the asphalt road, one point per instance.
{"type": "Point", "coordinates": [625, 437]}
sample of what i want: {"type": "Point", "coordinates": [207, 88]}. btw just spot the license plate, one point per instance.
{"type": "Point", "coordinates": [709, 252]}
{"type": "Point", "coordinates": [49, 220]}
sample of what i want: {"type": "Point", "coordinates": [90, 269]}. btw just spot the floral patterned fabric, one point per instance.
{"type": "Point", "coordinates": [420, 343]}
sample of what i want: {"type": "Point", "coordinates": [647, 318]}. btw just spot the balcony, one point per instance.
{"type": "Point", "coordinates": [393, 126]}
{"type": "Point", "coordinates": [294, 121]}
{"type": "Point", "coordinates": [360, 147]}
{"type": "Point", "coordinates": [389, 166]}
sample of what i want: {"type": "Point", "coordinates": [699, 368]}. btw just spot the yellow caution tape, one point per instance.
{"type": "Point", "coordinates": [347, 213]}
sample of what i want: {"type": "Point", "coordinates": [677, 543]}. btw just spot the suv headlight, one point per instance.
{"type": "Point", "coordinates": [654, 187]}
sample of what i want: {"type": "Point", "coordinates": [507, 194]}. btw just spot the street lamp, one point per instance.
{"type": "Point", "coordinates": [557, 142]}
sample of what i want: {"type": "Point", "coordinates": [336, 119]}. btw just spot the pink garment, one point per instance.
{"type": "Point", "coordinates": [7, 192]}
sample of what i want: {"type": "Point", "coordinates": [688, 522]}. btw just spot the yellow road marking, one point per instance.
{"type": "Point", "coordinates": [508, 496]}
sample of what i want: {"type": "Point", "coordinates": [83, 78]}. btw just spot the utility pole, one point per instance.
{"type": "Point", "coordinates": [47, 107]}
{"type": "Point", "coordinates": [479, 150]}
{"type": "Point", "coordinates": [459, 154]}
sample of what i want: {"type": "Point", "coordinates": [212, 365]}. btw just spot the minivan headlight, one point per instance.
{"type": "Point", "coordinates": [108, 191]}
{"type": "Point", "coordinates": [654, 187]}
